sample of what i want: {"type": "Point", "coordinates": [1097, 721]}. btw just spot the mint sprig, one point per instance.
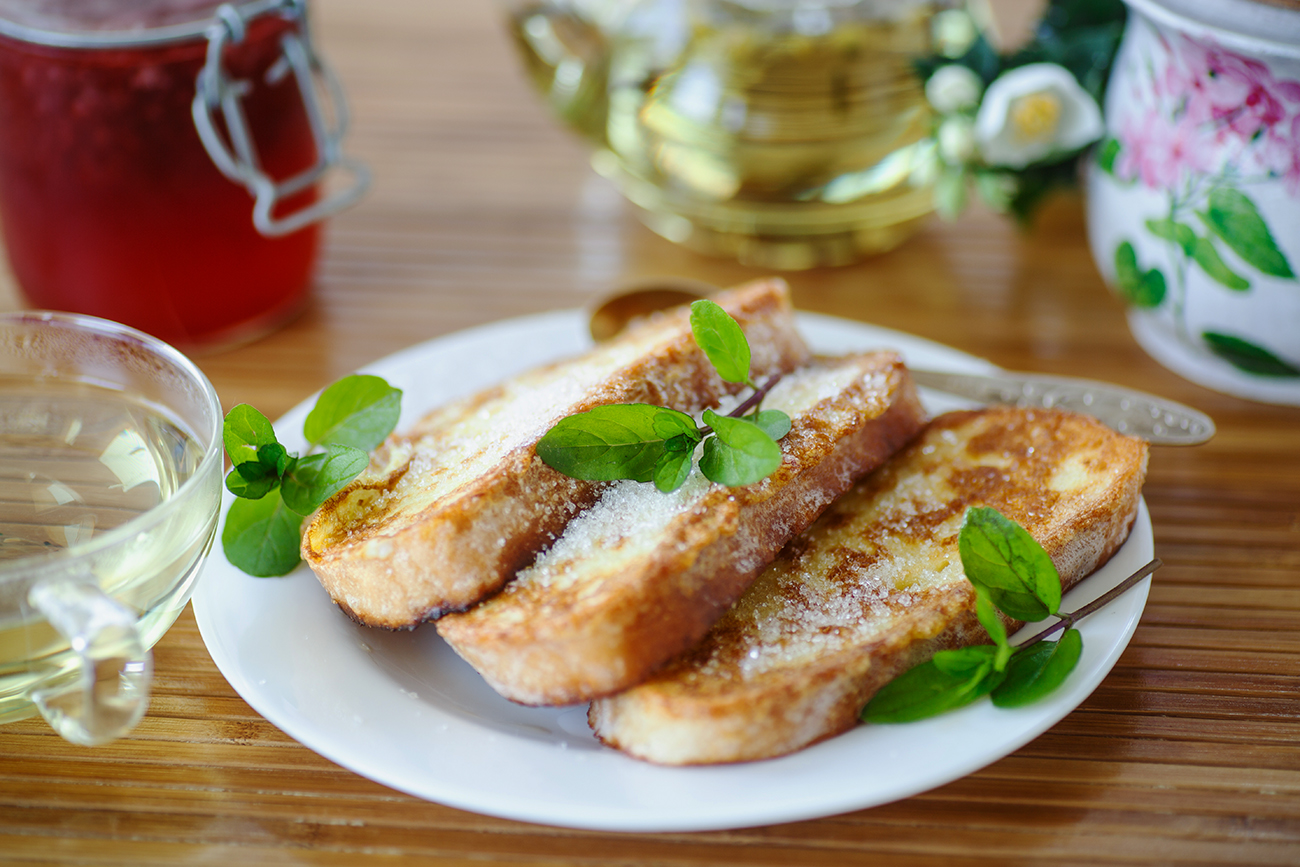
{"type": "Point", "coordinates": [645, 443]}
{"type": "Point", "coordinates": [277, 489]}
{"type": "Point", "coordinates": [1011, 573]}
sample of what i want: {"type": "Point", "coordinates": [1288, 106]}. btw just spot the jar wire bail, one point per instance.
{"type": "Point", "coordinates": [216, 91]}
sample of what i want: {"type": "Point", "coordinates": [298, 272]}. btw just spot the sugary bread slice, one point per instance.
{"type": "Point", "coordinates": [876, 586]}
{"type": "Point", "coordinates": [452, 508]}
{"type": "Point", "coordinates": [640, 576]}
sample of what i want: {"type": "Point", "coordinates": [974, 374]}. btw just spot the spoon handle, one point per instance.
{"type": "Point", "coordinates": [1154, 419]}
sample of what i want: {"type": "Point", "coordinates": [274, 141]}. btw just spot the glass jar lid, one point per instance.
{"type": "Point", "coordinates": [118, 23]}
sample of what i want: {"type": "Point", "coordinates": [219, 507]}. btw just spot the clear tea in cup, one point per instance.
{"type": "Point", "coordinates": [110, 482]}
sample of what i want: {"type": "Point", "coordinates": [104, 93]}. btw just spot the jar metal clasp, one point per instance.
{"type": "Point", "coordinates": [216, 92]}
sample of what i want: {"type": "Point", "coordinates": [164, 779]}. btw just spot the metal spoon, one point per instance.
{"type": "Point", "coordinates": [1155, 419]}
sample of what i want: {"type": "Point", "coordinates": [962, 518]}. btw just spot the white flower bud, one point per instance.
{"type": "Point", "coordinates": [957, 140]}
{"type": "Point", "coordinates": [953, 87]}
{"type": "Point", "coordinates": [954, 32]}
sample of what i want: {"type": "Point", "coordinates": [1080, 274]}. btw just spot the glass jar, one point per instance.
{"type": "Point", "coordinates": [785, 134]}
{"type": "Point", "coordinates": [160, 161]}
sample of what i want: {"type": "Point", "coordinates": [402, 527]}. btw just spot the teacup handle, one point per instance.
{"type": "Point", "coordinates": [110, 692]}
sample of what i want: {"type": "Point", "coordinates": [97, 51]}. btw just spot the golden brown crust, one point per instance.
{"type": "Point", "coordinates": [875, 586]}
{"type": "Point", "coordinates": [588, 620]}
{"type": "Point", "coordinates": [450, 510]}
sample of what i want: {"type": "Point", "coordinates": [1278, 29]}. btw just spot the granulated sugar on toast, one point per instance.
{"type": "Point", "coordinates": [448, 511]}
{"type": "Point", "coordinates": [876, 586]}
{"type": "Point", "coordinates": [641, 575]}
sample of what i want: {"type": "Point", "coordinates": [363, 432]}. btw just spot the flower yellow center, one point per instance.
{"type": "Point", "coordinates": [1035, 116]}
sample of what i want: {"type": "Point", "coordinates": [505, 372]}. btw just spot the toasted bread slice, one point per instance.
{"type": "Point", "coordinates": [876, 586]}
{"type": "Point", "coordinates": [449, 510]}
{"type": "Point", "coordinates": [641, 576]}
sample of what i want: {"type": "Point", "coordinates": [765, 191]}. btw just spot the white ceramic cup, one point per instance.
{"type": "Point", "coordinates": [1194, 196]}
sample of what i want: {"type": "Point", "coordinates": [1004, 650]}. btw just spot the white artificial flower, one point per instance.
{"type": "Point", "coordinates": [1032, 112]}
{"type": "Point", "coordinates": [954, 32]}
{"type": "Point", "coordinates": [953, 87]}
{"type": "Point", "coordinates": [956, 140]}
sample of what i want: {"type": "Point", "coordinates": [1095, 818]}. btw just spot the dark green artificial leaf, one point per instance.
{"type": "Point", "coordinates": [721, 339]}
{"type": "Point", "coordinates": [1233, 217]}
{"type": "Point", "coordinates": [1107, 153]}
{"type": "Point", "coordinates": [1037, 670]}
{"type": "Point", "coordinates": [739, 453]}
{"type": "Point", "coordinates": [774, 422]}
{"type": "Point", "coordinates": [1000, 556]}
{"type": "Point", "coordinates": [244, 431]}
{"type": "Point", "coordinates": [261, 537]}
{"type": "Point", "coordinates": [927, 690]}
{"type": "Point", "coordinates": [357, 411]}
{"type": "Point", "coordinates": [619, 441]}
{"type": "Point", "coordinates": [1247, 356]}
{"type": "Point", "coordinates": [313, 479]}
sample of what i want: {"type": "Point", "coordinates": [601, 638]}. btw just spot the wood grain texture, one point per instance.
{"type": "Point", "coordinates": [1189, 753]}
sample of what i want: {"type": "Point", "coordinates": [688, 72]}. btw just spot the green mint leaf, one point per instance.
{"type": "Point", "coordinates": [672, 470]}
{"type": "Point", "coordinates": [721, 339]}
{"type": "Point", "coordinates": [618, 441]}
{"type": "Point", "coordinates": [987, 613]}
{"type": "Point", "coordinates": [313, 479]}
{"type": "Point", "coordinates": [1000, 556]}
{"type": "Point", "coordinates": [239, 483]}
{"type": "Point", "coordinates": [739, 453]}
{"type": "Point", "coordinates": [272, 460]}
{"type": "Point", "coordinates": [357, 411]}
{"type": "Point", "coordinates": [261, 537]}
{"type": "Point", "coordinates": [681, 443]}
{"type": "Point", "coordinates": [1233, 217]}
{"type": "Point", "coordinates": [1038, 669]}
{"type": "Point", "coordinates": [669, 424]}
{"type": "Point", "coordinates": [927, 690]}
{"type": "Point", "coordinates": [774, 423]}
{"type": "Point", "coordinates": [244, 432]}
{"type": "Point", "coordinates": [964, 660]}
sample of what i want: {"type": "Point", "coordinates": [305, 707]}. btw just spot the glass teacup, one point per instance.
{"type": "Point", "coordinates": [110, 482]}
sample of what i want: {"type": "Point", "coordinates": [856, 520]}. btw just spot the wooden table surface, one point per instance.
{"type": "Point", "coordinates": [1188, 753]}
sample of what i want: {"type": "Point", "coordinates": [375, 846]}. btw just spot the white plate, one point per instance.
{"type": "Point", "coordinates": [404, 710]}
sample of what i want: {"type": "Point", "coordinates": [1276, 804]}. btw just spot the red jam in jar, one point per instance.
{"type": "Point", "coordinates": [111, 204]}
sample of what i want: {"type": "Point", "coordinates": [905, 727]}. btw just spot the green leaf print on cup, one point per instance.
{"type": "Point", "coordinates": [1233, 217]}
{"type": "Point", "coordinates": [1145, 289]}
{"type": "Point", "coordinates": [1244, 355]}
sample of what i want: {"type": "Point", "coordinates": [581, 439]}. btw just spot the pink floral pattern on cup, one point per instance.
{"type": "Point", "coordinates": [1213, 136]}
{"type": "Point", "coordinates": [1211, 111]}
